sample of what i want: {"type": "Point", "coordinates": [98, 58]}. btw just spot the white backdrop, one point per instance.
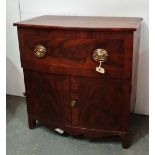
{"type": "Point", "coordinates": [24, 9]}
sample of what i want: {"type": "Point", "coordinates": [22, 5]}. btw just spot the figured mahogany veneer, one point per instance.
{"type": "Point", "coordinates": [66, 74]}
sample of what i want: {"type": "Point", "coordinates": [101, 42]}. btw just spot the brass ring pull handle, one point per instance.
{"type": "Point", "coordinates": [100, 55]}
{"type": "Point", "coordinates": [40, 51]}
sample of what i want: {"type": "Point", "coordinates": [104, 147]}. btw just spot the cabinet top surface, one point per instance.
{"type": "Point", "coordinates": [82, 22]}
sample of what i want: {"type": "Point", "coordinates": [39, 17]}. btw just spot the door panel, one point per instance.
{"type": "Point", "coordinates": [99, 102]}
{"type": "Point", "coordinates": [48, 96]}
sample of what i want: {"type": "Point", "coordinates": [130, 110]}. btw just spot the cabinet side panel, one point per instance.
{"type": "Point", "coordinates": [136, 43]}
{"type": "Point", "coordinates": [126, 105]}
{"type": "Point", "coordinates": [128, 54]}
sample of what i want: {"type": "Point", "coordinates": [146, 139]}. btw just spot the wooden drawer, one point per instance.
{"type": "Point", "coordinates": [71, 52]}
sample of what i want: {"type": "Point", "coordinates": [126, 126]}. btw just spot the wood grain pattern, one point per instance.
{"type": "Point", "coordinates": [67, 73]}
{"type": "Point", "coordinates": [48, 96]}
{"type": "Point", "coordinates": [96, 109]}
{"type": "Point", "coordinates": [72, 50]}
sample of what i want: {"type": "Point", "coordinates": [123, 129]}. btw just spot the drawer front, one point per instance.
{"type": "Point", "coordinates": [71, 52]}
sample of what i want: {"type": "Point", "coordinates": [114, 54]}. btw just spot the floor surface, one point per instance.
{"type": "Point", "coordinates": [42, 141]}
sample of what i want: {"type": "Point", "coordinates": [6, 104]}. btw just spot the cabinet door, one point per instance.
{"type": "Point", "coordinates": [99, 103]}
{"type": "Point", "coordinates": [48, 96]}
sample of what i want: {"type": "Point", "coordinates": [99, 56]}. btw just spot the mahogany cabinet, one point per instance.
{"type": "Point", "coordinates": [80, 73]}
